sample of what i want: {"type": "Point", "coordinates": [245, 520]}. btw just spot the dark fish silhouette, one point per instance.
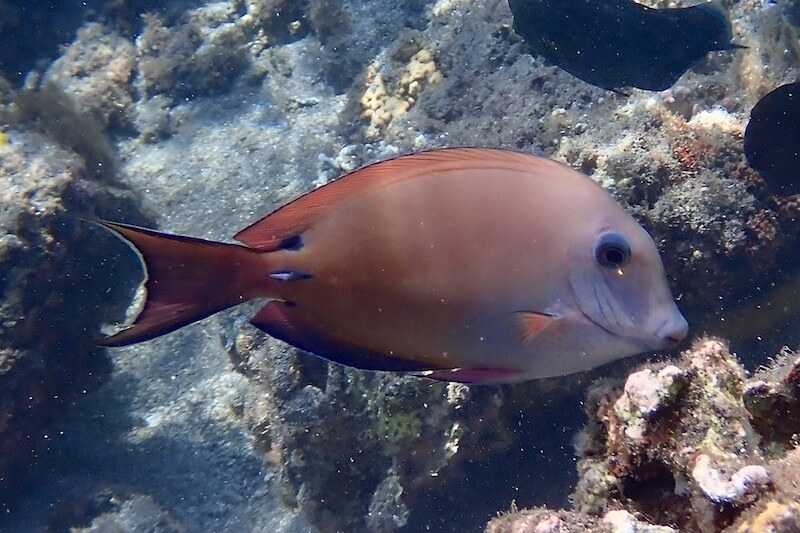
{"type": "Point", "coordinates": [619, 43]}
{"type": "Point", "coordinates": [772, 139]}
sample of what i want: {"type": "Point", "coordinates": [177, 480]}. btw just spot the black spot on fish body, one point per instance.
{"type": "Point", "coordinates": [772, 139]}
{"type": "Point", "coordinates": [619, 43]}
{"type": "Point", "coordinates": [294, 243]}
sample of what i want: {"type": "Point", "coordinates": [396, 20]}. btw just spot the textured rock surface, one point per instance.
{"type": "Point", "coordinates": [385, 442]}
{"type": "Point", "coordinates": [50, 311]}
{"type": "Point", "coordinates": [134, 513]}
{"type": "Point", "coordinates": [694, 446]}
{"type": "Point", "coordinates": [216, 112]}
{"type": "Point", "coordinates": [545, 521]}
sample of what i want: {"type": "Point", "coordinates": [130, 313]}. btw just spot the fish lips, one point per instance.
{"type": "Point", "coordinates": [634, 323]}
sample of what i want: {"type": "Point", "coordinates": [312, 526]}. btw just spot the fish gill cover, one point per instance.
{"type": "Point", "coordinates": [620, 43]}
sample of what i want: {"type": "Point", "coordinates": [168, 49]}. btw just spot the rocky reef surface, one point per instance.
{"type": "Point", "coordinates": [200, 117]}
{"type": "Point", "coordinates": [47, 358]}
{"type": "Point", "coordinates": [689, 445]}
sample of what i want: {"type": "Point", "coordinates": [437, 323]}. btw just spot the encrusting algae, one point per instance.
{"type": "Point", "coordinates": [385, 99]}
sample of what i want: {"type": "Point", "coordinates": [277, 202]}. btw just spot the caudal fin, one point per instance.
{"type": "Point", "coordinates": [187, 279]}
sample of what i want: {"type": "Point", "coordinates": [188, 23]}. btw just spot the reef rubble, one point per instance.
{"type": "Point", "coordinates": [385, 442]}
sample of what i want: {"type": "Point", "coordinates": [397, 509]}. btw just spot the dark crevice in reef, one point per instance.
{"type": "Point", "coordinates": [652, 489]}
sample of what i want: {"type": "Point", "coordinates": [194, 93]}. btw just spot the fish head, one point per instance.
{"type": "Point", "coordinates": [621, 291]}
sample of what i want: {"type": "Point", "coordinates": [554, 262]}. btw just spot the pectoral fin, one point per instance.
{"type": "Point", "coordinates": [532, 324]}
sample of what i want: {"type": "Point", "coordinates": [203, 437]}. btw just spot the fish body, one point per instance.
{"type": "Point", "coordinates": [620, 43]}
{"type": "Point", "coordinates": [471, 265]}
{"type": "Point", "coordinates": [772, 139]}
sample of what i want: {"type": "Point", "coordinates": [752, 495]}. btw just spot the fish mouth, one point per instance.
{"type": "Point", "coordinates": [609, 316]}
{"type": "Point", "coordinates": [643, 345]}
{"type": "Point", "coordinates": [672, 331]}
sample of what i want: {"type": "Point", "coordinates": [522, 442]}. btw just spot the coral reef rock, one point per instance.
{"type": "Point", "coordinates": [385, 442]}
{"type": "Point", "coordinates": [689, 446]}
{"type": "Point", "coordinates": [47, 357]}
{"type": "Point", "coordinates": [217, 111]}
{"type": "Point", "coordinates": [132, 513]}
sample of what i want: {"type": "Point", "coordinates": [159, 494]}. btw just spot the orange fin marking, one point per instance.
{"type": "Point", "coordinates": [296, 216]}
{"type": "Point", "coordinates": [532, 323]}
{"type": "Point", "coordinates": [187, 279]}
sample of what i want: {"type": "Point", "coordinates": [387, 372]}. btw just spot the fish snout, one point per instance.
{"type": "Point", "coordinates": [672, 332]}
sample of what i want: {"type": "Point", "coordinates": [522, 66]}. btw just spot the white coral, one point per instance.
{"type": "Point", "coordinates": [743, 483]}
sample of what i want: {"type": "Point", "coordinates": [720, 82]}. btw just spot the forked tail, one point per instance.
{"type": "Point", "coordinates": [187, 279]}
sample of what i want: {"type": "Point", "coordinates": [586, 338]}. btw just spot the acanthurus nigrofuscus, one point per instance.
{"type": "Point", "coordinates": [620, 43]}
{"type": "Point", "coordinates": [772, 139]}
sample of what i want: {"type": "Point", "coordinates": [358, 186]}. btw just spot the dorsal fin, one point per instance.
{"type": "Point", "coordinates": [717, 11]}
{"type": "Point", "coordinates": [293, 218]}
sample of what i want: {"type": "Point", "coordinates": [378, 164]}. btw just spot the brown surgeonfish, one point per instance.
{"type": "Point", "coordinates": [463, 264]}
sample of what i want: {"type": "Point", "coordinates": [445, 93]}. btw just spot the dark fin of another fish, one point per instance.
{"type": "Point", "coordinates": [187, 279]}
{"type": "Point", "coordinates": [280, 229]}
{"type": "Point", "coordinates": [474, 376]}
{"type": "Point", "coordinates": [772, 139]}
{"type": "Point", "coordinates": [717, 11]}
{"type": "Point", "coordinates": [532, 323]}
{"type": "Point", "coordinates": [725, 33]}
{"type": "Point", "coordinates": [285, 322]}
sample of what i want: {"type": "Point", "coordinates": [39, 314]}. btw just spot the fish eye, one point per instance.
{"type": "Point", "coordinates": [613, 251]}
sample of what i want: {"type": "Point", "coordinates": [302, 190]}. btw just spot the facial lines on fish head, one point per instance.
{"type": "Point", "coordinates": [619, 283]}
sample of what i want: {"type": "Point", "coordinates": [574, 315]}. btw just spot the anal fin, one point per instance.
{"type": "Point", "coordinates": [285, 322]}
